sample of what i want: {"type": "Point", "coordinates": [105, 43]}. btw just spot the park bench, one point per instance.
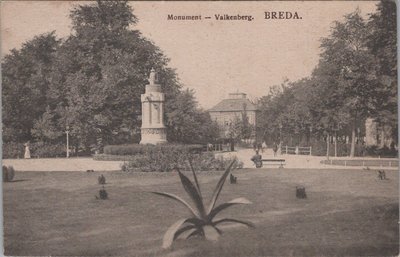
{"type": "Point", "coordinates": [279, 162]}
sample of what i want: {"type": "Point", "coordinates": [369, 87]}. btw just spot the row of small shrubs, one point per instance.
{"type": "Point", "coordinates": [8, 173]}
{"type": "Point", "coordinates": [12, 150]}
{"type": "Point", "coordinates": [164, 161]}
{"type": "Point", "coordinates": [137, 149]}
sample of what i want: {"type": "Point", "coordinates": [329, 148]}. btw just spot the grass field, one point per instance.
{"type": "Point", "coordinates": [347, 213]}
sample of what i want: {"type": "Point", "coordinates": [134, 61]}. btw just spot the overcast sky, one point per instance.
{"type": "Point", "coordinates": [212, 57]}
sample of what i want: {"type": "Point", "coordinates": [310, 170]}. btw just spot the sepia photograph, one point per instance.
{"type": "Point", "coordinates": [199, 128]}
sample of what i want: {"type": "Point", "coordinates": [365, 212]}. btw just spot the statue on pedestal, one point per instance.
{"type": "Point", "coordinates": [153, 130]}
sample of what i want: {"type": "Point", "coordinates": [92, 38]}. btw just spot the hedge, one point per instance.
{"type": "Point", "coordinates": [137, 149]}
{"type": "Point", "coordinates": [110, 157]}
{"type": "Point", "coordinates": [164, 161]}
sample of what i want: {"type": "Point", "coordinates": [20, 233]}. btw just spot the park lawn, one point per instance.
{"type": "Point", "coordinates": [347, 213]}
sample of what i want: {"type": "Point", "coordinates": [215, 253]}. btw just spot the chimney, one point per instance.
{"type": "Point", "coordinates": [237, 96]}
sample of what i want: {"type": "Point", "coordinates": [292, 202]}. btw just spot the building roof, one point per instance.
{"type": "Point", "coordinates": [238, 104]}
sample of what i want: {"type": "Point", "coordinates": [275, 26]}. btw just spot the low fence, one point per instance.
{"type": "Point", "coordinates": [363, 163]}
{"type": "Point", "coordinates": [298, 150]}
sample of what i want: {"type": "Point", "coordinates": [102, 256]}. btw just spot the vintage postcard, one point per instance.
{"type": "Point", "coordinates": [199, 128]}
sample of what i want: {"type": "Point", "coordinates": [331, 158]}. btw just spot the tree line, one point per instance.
{"type": "Point", "coordinates": [90, 83]}
{"type": "Point", "coordinates": [355, 79]}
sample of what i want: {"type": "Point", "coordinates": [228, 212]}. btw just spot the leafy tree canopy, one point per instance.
{"type": "Point", "coordinates": [91, 82]}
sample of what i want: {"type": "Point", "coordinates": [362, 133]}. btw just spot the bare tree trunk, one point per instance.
{"type": "Point", "coordinates": [335, 143]}
{"type": "Point", "coordinates": [327, 147]}
{"type": "Point", "coordinates": [382, 136]}
{"type": "Point", "coordinates": [353, 140]}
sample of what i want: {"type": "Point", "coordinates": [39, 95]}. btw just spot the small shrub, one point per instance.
{"type": "Point", "coordinates": [8, 173]}
{"type": "Point", "coordinates": [101, 179]}
{"type": "Point", "coordinates": [382, 175]}
{"type": "Point", "coordinates": [11, 173]}
{"type": "Point", "coordinates": [103, 195]}
{"type": "Point", "coordinates": [301, 192]}
{"type": "Point", "coordinates": [5, 173]}
{"type": "Point", "coordinates": [233, 179]}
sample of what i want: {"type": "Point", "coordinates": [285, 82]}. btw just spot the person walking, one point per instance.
{"type": "Point", "coordinates": [259, 147]}
{"type": "Point", "coordinates": [263, 146]}
{"type": "Point", "coordinates": [255, 145]}
{"type": "Point", "coordinates": [27, 154]}
{"type": "Point", "coordinates": [275, 149]}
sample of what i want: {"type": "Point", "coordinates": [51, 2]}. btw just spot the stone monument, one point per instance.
{"type": "Point", "coordinates": [153, 129]}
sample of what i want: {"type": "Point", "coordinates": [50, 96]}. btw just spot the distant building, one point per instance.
{"type": "Point", "coordinates": [226, 111]}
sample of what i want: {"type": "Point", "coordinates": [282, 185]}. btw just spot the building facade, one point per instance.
{"type": "Point", "coordinates": [233, 108]}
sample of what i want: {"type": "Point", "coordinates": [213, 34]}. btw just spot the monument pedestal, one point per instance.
{"type": "Point", "coordinates": [153, 136]}
{"type": "Point", "coordinates": [153, 130]}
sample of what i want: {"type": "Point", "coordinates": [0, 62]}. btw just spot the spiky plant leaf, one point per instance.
{"type": "Point", "coordinates": [219, 186]}
{"type": "Point", "coordinates": [219, 208]}
{"type": "Point", "coordinates": [191, 223]}
{"type": "Point", "coordinates": [195, 177]}
{"type": "Point", "coordinates": [169, 236]}
{"type": "Point", "coordinates": [247, 223]}
{"type": "Point", "coordinates": [194, 233]}
{"type": "Point", "coordinates": [178, 199]}
{"type": "Point", "coordinates": [185, 234]}
{"type": "Point", "coordinates": [211, 233]}
{"type": "Point", "coordinates": [193, 193]}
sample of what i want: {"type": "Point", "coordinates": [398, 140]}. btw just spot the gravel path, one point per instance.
{"type": "Point", "coordinates": [62, 164]}
{"type": "Point", "coordinates": [83, 164]}
{"type": "Point", "coordinates": [295, 161]}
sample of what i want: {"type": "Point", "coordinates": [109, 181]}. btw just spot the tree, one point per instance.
{"type": "Point", "coordinates": [356, 78]}
{"type": "Point", "coordinates": [91, 82]}
{"type": "Point", "coordinates": [25, 81]}
{"type": "Point", "coordinates": [102, 71]}
{"type": "Point", "coordinates": [382, 44]}
{"type": "Point", "coordinates": [44, 128]}
{"type": "Point", "coordinates": [285, 111]}
{"type": "Point", "coordinates": [272, 106]}
{"type": "Point", "coordinates": [345, 56]}
{"type": "Point", "coordinates": [186, 123]}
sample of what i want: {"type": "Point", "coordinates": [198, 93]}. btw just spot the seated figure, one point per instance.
{"type": "Point", "coordinates": [257, 159]}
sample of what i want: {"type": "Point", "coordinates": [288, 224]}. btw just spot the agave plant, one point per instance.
{"type": "Point", "coordinates": [202, 222]}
